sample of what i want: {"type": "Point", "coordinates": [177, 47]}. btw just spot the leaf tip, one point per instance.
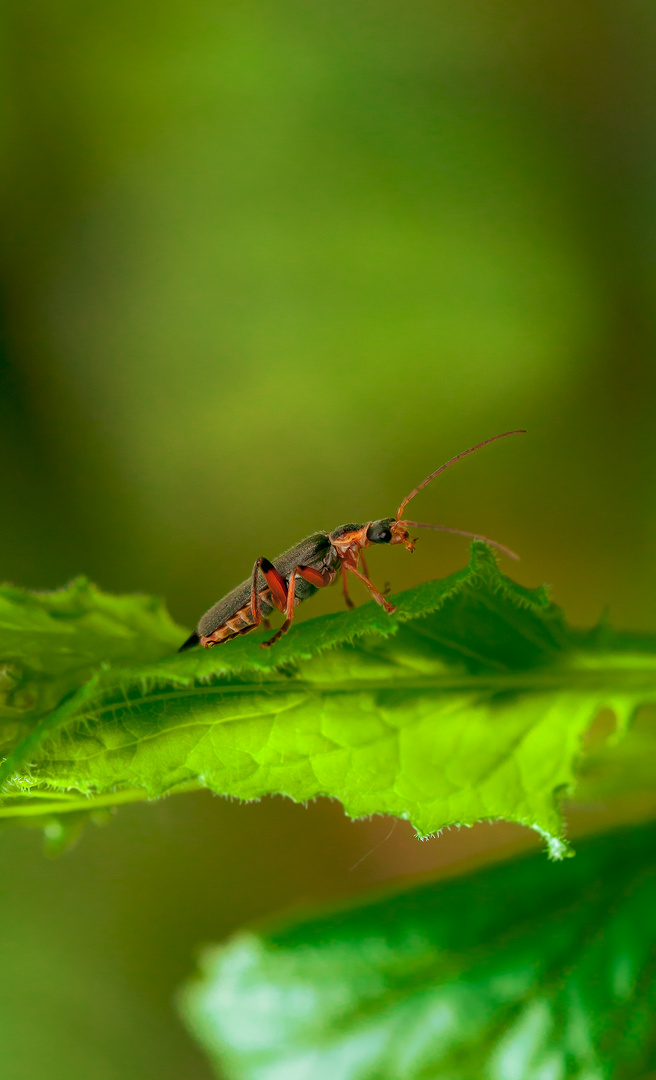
{"type": "Point", "coordinates": [557, 847]}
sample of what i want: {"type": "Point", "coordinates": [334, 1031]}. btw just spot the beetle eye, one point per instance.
{"type": "Point", "coordinates": [380, 534]}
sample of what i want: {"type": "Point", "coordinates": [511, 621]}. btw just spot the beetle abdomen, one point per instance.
{"type": "Point", "coordinates": [239, 623]}
{"type": "Point", "coordinates": [228, 607]}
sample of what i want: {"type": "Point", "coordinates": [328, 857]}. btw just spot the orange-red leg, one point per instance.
{"type": "Point", "coordinates": [378, 597]}
{"type": "Point", "coordinates": [347, 599]}
{"type": "Point", "coordinates": [315, 577]}
{"type": "Point", "coordinates": [277, 588]}
{"type": "Point", "coordinates": [319, 578]}
{"type": "Point", "coordinates": [289, 611]}
{"type": "Point", "coordinates": [275, 581]}
{"type": "Point", "coordinates": [386, 588]}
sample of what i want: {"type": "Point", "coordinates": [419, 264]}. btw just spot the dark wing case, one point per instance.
{"type": "Point", "coordinates": [314, 551]}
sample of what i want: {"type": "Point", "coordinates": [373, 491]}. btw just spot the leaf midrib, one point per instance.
{"type": "Point", "coordinates": [614, 680]}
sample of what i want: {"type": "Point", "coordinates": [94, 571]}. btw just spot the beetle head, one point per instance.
{"type": "Point", "coordinates": [389, 531]}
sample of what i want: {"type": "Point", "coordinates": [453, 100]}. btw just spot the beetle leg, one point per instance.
{"type": "Point", "coordinates": [308, 573]}
{"type": "Point", "coordinates": [320, 578]}
{"type": "Point", "coordinates": [347, 599]}
{"type": "Point", "coordinates": [364, 564]}
{"type": "Point", "coordinates": [274, 580]}
{"type": "Point", "coordinates": [256, 610]}
{"type": "Point", "coordinates": [276, 586]}
{"type": "Point", "coordinates": [378, 597]}
{"type": "Point", "coordinates": [289, 611]}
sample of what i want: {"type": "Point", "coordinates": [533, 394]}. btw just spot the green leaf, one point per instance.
{"type": "Point", "coordinates": [53, 644]}
{"type": "Point", "coordinates": [469, 704]}
{"type": "Point", "coordinates": [529, 971]}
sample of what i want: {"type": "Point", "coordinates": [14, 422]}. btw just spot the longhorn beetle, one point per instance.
{"type": "Point", "coordinates": [313, 563]}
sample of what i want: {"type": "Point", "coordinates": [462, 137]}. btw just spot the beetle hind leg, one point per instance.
{"type": "Point", "coordinates": [275, 581]}
{"type": "Point", "coordinates": [318, 578]}
{"type": "Point", "coordinates": [289, 608]}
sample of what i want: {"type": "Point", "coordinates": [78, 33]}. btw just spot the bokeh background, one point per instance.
{"type": "Point", "coordinates": [265, 266]}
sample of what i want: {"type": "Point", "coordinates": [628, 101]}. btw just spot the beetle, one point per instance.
{"type": "Point", "coordinates": [314, 563]}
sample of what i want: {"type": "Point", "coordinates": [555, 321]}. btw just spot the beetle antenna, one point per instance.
{"type": "Point", "coordinates": [461, 532]}
{"type": "Point", "coordinates": [453, 460]}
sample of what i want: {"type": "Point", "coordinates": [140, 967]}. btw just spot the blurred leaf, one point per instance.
{"type": "Point", "coordinates": [469, 704]}
{"type": "Point", "coordinates": [524, 972]}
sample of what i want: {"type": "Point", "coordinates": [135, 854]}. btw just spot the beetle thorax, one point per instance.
{"type": "Point", "coordinates": [348, 540]}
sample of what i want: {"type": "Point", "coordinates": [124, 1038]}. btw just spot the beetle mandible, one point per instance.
{"type": "Point", "coordinates": [314, 563]}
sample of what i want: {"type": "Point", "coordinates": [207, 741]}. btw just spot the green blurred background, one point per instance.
{"type": "Point", "coordinates": [265, 266]}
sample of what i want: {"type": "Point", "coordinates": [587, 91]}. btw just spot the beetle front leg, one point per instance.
{"type": "Point", "coordinates": [347, 599]}
{"type": "Point", "coordinates": [378, 597]}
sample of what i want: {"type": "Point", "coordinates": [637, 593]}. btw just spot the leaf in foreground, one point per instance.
{"type": "Point", "coordinates": [528, 971]}
{"type": "Point", "coordinates": [469, 704]}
